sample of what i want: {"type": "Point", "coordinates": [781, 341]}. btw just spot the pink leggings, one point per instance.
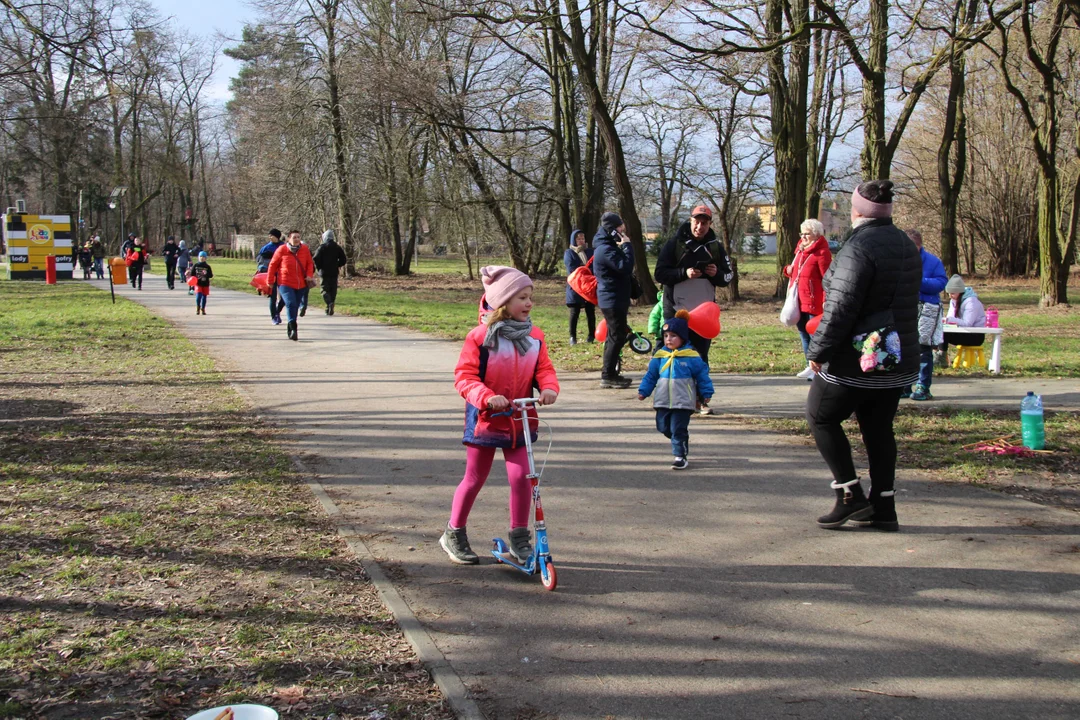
{"type": "Point", "coordinates": [477, 466]}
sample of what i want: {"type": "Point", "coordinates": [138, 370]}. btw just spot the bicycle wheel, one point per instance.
{"type": "Point", "coordinates": [640, 344]}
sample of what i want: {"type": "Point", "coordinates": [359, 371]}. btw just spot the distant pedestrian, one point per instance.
{"type": "Point", "coordinates": [291, 269]}
{"type": "Point", "coordinates": [329, 257]}
{"type": "Point", "coordinates": [183, 259]}
{"type": "Point", "coordinates": [262, 264]}
{"type": "Point", "coordinates": [678, 377]}
{"type": "Point", "coordinates": [202, 272]}
{"type": "Point", "coordinates": [865, 352]}
{"type": "Point", "coordinates": [136, 260]}
{"type": "Point", "coordinates": [930, 326]}
{"type": "Point", "coordinates": [128, 244]}
{"type": "Point", "coordinates": [503, 359]}
{"type": "Point", "coordinates": [86, 261]}
{"type": "Point", "coordinates": [578, 255]}
{"type": "Point", "coordinates": [613, 266]}
{"type": "Point", "coordinates": [97, 251]}
{"type": "Point", "coordinates": [169, 253]}
{"type": "Point", "coordinates": [808, 267]}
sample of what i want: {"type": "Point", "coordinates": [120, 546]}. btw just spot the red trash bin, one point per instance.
{"type": "Point", "coordinates": [50, 269]}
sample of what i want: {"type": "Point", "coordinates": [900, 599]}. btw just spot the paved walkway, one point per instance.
{"type": "Point", "coordinates": [701, 594]}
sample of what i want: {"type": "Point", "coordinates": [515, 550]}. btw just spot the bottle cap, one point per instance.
{"type": "Point", "coordinates": [1030, 393]}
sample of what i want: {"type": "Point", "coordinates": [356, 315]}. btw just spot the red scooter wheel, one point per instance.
{"type": "Point", "coordinates": [547, 575]}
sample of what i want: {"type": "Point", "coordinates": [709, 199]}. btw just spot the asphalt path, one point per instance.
{"type": "Point", "coordinates": [704, 593]}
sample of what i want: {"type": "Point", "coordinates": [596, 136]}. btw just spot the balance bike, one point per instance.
{"type": "Point", "coordinates": [540, 561]}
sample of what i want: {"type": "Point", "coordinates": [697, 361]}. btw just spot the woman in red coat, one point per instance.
{"type": "Point", "coordinates": [290, 269]}
{"type": "Point", "coordinates": [812, 259]}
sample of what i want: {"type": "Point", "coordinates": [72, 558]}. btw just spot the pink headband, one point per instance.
{"type": "Point", "coordinates": [868, 208]}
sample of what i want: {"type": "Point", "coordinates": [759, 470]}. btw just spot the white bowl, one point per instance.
{"type": "Point", "coordinates": [240, 712]}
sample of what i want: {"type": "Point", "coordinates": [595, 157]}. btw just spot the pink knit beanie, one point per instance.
{"type": "Point", "coordinates": [869, 208]}
{"type": "Point", "coordinates": [502, 283]}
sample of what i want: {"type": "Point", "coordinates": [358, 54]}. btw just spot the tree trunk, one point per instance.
{"type": "Point", "coordinates": [337, 125]}
{"type": "Point", "coordinates": [876, 159]}
{"type": "Point", "coordinates": [950, 172]}
{"type": "Point", "coordinates": [788, 80]}
{"type": "Point", "coordinates": [1053, 284]}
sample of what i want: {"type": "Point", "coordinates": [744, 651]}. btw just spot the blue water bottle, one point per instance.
{"type": "Point", "coordinates": [1031, 422]}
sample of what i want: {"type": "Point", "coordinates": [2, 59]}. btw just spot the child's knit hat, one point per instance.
{"type": "Point", "coordinates": [502, 283]}
{"type": "Point", "coordinates": [678, 326]}
{"type": "Point", "coordinates": [203, 255]}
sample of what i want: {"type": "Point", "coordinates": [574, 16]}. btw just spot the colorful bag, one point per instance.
{"type": "Point", "coordinates": [879, 347]}
{"type": "Point", "coordinates": [583, 282]}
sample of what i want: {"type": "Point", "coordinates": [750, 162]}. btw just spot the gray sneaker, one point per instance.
{"type": "Point", "coordinates": [617, 383]}
{"type": "Point", "coordinates": [520, 547]}
{"type": "Point", "coordinates": [456, 545]}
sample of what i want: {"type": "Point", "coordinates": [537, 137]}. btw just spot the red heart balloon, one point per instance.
{"type": "Point", "coordinates": [705, 320]}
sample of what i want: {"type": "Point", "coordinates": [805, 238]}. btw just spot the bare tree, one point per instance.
{"type": "Point", "coordinates": [1045, 37]}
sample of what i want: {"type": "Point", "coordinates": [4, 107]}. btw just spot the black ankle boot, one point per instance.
{"type": "Point", "coordinates": [851, 504]}
{"type": "Point", "coordinates": [290, 330]}
{"type": "Point", "coordinates": [884, 515]}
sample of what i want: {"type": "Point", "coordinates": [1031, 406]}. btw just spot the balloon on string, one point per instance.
{"type": "Point", "coordinates": [705, 320]}
{"type": "Point", "coordinates": [812, 323]}
{"type": "Point", "coordinates": [601, 330]}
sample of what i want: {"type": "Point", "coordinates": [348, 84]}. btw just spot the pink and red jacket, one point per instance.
{"type": "Point", "coordinates": [483, 373]}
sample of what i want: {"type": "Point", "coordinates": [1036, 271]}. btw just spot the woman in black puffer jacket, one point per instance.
{"type": "Point", "coordinates": [873, 283]}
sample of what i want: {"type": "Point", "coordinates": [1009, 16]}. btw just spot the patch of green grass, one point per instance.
{"type": "Point", "coordinates": [123, 521]}
{"type": "Point", "coordinates": [24, 566]}
{"type": "Point", "coordinates": [163, 659]}
{"type": "Point", "coordinates": [12, 709]}
{"type": "Point", "coordinates": [75, 576]}
{"type": "Point", "coordinates": [24, 644]}
{"type": "Point", "coordinates": [248, 635]}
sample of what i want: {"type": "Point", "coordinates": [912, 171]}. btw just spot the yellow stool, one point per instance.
{"type": "Point", "coordinates": [969, 357]}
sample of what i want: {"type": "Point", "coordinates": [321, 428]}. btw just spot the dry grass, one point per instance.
{"type": "Point", "coordinates": [157, 553]}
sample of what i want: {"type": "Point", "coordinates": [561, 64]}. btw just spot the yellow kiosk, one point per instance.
{"type": "Point", "coordinates": [29, 239]}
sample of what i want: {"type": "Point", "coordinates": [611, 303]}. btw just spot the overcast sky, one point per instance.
{"type": "Point", "coordinates": [206, 18]}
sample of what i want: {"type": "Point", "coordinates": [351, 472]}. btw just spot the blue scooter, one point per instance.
{"type": "Point", "coordinates": [540, 560]}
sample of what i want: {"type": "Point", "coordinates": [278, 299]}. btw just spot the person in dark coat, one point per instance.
{"type": "Point", "coordinates": [613, 265]}
{"type": "Point", "coordinates": [577, 255]}
{"type": "Point", "coordinates": [690, 266]}
{"type": "Point", "coordinates": [328, 258]}
{"type": "Point", "coordinates": [170, 252]}
{"type": "Point", "coordinates": [136, 260]}
{"type": "Point", "coordinates": [262, 263]}
{"type": "Point", "coordinates": [873, 283]}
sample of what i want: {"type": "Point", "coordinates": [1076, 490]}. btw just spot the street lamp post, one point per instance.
{"type": "Point", "coordinates": [116, 197]}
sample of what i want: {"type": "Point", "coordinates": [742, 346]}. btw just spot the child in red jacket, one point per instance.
{"type": "Point", "coordinates": [503, 358]}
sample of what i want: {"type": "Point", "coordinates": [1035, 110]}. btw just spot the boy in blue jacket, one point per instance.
{"type": "Point", "coordinates": [679, 377]}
